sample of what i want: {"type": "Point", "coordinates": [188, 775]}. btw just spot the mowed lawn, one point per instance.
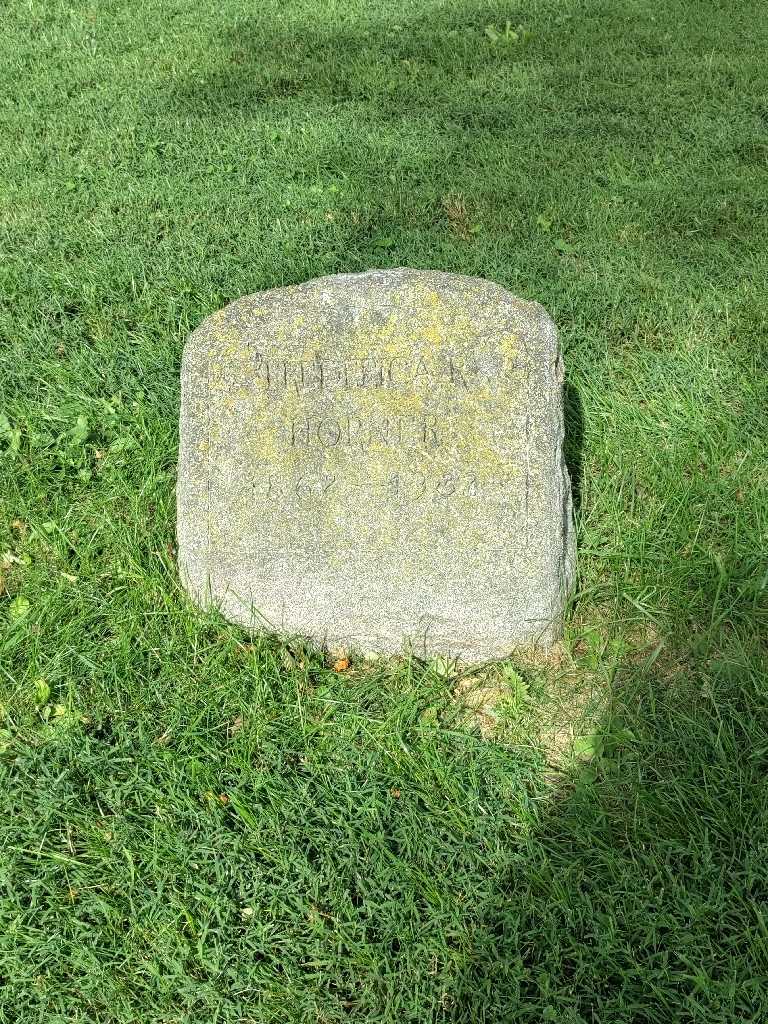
{"type": "Point", "coordinates": [199, 826]}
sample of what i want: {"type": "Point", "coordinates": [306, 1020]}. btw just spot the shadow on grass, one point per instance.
{"type": "Point", "coordinates": [574, 440]}
{"type": "Point", "coordinates": [642, 896]}
{"type": "Point", "coordinates": [387, 68]}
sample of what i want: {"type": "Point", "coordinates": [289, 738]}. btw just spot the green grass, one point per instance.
{"type": "Point", "coordinates": [196, 828]}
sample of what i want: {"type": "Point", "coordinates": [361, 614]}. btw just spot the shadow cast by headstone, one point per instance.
{"type": "Point", "coordinates": [574, 440]}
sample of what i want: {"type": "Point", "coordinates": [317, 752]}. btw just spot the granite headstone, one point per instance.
{"type": "Point", "coordinates": [376, 461]}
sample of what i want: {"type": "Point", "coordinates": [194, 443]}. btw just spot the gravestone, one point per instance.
{"type": "Point", "coordinates": [375, 461]}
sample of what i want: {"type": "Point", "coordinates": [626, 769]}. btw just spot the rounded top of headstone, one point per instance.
{"type": "Point", "coordinates": [380, 309]}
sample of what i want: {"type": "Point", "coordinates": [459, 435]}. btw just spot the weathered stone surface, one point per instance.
{"type": "Point", "coordinates": [375, 460]}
